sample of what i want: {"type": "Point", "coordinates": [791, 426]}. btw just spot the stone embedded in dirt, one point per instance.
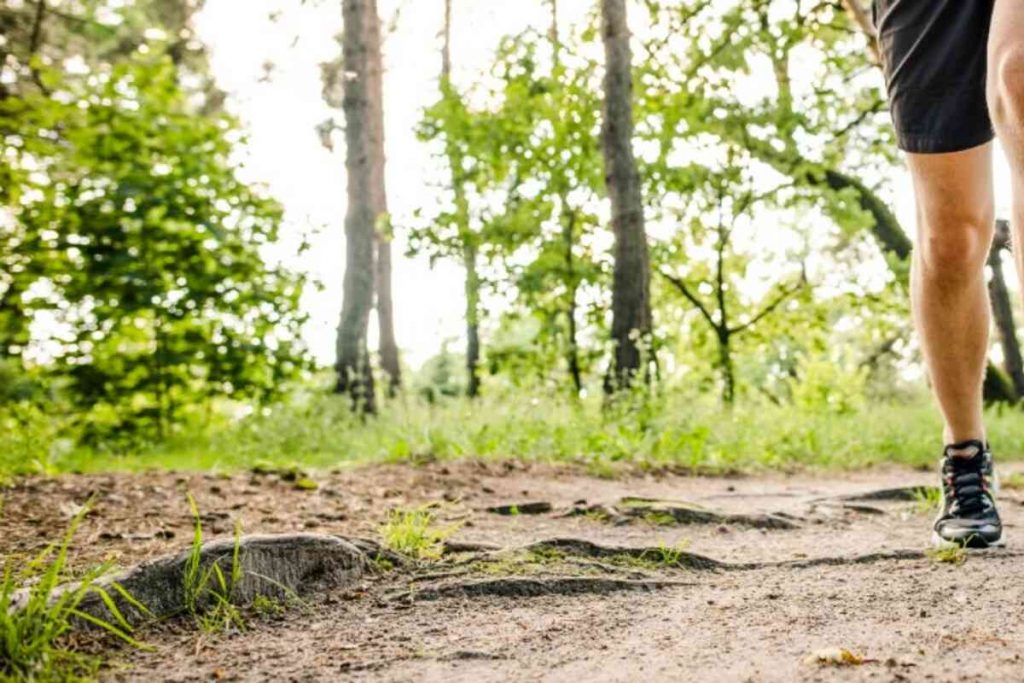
{"type": "Point", "coordinates": [534, 508]}
{"type": "Point", "coordinates": [272, 566]}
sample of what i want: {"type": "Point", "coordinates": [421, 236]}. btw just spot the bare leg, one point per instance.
{"type": "Point", "coordinates": [1006, 105]}
{"type": "Point", "coordinates": [955, 218]}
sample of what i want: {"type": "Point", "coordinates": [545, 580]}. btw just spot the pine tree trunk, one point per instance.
{"type": "Point", "coordinates": [388, 347]}
{"type": "Point", "coordinates": [1002, 310]}
{"type": "Point", "coordinates": [354, 372]}
{"type": "Point", "coordinates": [631, 308]}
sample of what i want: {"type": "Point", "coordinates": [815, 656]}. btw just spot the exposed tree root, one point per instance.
{"type": "Point", "coordinates": [672, 513]}
{"type": "Point", "coordinates": [676, 559]}
{"type": "Point", "coordinates": [535, 508]}
{"type": "Point", "coordinates": [454, 547]}
{"type": "Point", "coordinates": [899, 494]}
{"type": "Point", "coordinates": [272, 566]}
{"type": "Point", "coordinates": [525, 587]}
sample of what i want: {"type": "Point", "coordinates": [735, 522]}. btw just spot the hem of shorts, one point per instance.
{"type": "Point", "coordinates": [927, 144]}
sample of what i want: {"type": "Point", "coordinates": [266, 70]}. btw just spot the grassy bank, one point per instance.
{"type": "Point", "coordinates": [316, 431]}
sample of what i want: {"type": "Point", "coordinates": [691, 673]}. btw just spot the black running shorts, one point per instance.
{"type": "Point", "coordinates": [934, 58]}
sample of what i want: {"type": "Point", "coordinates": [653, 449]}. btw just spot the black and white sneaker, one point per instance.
{"type": "Point", "coordinates": [969, 517]}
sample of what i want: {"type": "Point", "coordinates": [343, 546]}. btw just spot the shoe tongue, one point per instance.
{"type": "Point", "coordinates": [965, 451]}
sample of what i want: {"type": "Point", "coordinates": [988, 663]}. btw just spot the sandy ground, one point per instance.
{"type": "Point", "coordinates": [847, 574]}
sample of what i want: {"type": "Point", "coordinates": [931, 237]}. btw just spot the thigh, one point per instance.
{"type": "Point", "coordinates": [1006, 36]}
{"type": "Point", "coordinates": [934, 58]}
{"type": "Point", "coordinates": [954, 195]}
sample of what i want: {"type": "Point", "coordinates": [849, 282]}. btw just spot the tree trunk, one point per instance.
{"type": "Point", "coordinates": [388, 347]}
{"type": "Point", "coordinates": [469, 248]}
{"type": "Point", "coordinates": [1002, 310]}
{"type": "Point", "coordinates": [727, 368]}
{"type": "Point", "coordinates": [472, 322]}
{"type": "Point", "coordinates": [573, 349]}
{"type": "Point", "coordinates": [631, 307]}
{"type": "Point", "coordinates": [354, 372]}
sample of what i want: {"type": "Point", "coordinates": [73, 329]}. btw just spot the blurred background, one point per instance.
{"type": "Point", "coordinates": [196, 193]}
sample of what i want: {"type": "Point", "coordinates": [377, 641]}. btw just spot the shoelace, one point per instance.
{"type": "Point", "coordinates": [967, 487]}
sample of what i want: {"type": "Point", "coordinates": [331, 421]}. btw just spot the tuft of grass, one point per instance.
{"type": "Point", "coordinates": [208, 591]}
{"type": "Point", "coordinates": [268, 607]}
{"type": "Point", "coordinates": [1013, 481]}
{"type": "Point", "coordinates": [928, 499]}
{"type": "Point", "coordinates": [35, 620]}
{"type": "Point", "coordinates": [662, 557]}
{"type": "Point", "coordinates": [665, 555]}
{"type": "Point", "coordinates": [659, 518]}
{"type": "Point", "coordinates": [415, 533]}
{"type": "Point", "coordinates": [948, 554]}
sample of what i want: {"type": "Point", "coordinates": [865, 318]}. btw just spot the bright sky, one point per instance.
{"type": "Point", "coordinates": [284, 150]}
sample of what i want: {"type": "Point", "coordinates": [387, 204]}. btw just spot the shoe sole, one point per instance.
{"type": "Point", "coordinates": [972, 541]}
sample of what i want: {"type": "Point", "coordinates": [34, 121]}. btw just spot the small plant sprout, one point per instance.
{"type": "Point", "coordinates": [415, 533]}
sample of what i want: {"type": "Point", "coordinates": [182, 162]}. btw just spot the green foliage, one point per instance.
{"type": "Point", "coordinates": [677, 429]}
{"type": "Point", "coordinates": [131, 234]}
{"type": "Point", "coordinates": [37, 611]}
{"type": "Point", "coordinates": [31, 439]}
{"type": "Point", "coordinates": [826, 386]}
{"type": "Point", "coordinates": [415, 533]}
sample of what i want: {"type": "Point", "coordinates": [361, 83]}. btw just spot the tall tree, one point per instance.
{"type": "Point", "coordinates": [387, 345]}
{"type": "Point", "coordinates": [631, 306]}
{"type": "Point", "coordinates": [354, 372]}
{"type": "Point", "coordinates": [468, 241]}
{"type": "Point", "coordinates": [1002, 309]}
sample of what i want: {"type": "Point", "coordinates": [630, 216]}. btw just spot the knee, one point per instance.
{"type": "Point", "coordinates": [955, 250]}
{"type": "Point", "coordinates": [1006, 87]}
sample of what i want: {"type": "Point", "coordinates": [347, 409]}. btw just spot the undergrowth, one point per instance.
{"type": "Point", "coordinates": [667, 430]}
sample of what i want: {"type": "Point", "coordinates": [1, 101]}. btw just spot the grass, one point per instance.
{"type": "Point", "coordinates": [208, 591]}
{"type": "Point", "coordinates": [1012, 482]}
{"type": "Point", "coordinates": [928, 499]}
{"type": "Point", "coordinates": [662, 557]}
{"type": "Point", "coordinates": [415, 533]}
{"type": "Point", "coordinates": [35, 620]}
{"type": "Point", "coordinates": [676, 429]}
{"type": "Point", "coordinates": [949, 553]}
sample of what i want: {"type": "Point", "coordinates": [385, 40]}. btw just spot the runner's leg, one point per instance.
{"type": "Point", "coordinates": [955, 219]}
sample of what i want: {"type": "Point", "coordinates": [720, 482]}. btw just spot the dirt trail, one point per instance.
{"type": "Point", "coordinates": [667, 578]}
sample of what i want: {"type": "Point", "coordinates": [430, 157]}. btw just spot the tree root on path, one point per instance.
{"type": "Point", "coordinates": [666, 512]}
{"type": "Point", "coordinates": [269, 566]}
{"type": "Point", "coordinates": [902, 494]}
{"type": "Point", "coordinates": [301, 564]}
{"type": "Point", "coordinates": [524, 587]}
